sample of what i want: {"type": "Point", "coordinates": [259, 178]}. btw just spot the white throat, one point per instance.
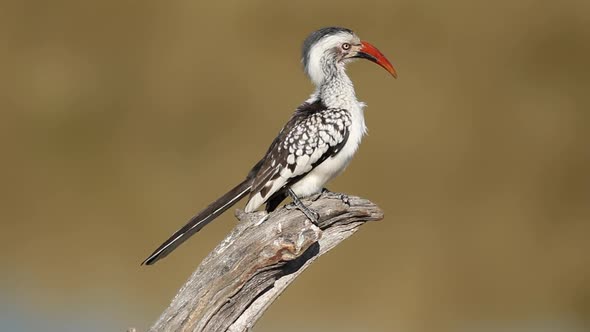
{"type": "Point", "coordinates": [336, 90]}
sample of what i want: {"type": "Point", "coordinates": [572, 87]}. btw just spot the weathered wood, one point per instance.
{"type": "Point", "coordinates": [254, 264]}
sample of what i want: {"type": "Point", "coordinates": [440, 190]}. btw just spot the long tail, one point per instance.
{"type": "Point", "coordinates": [200, 220]}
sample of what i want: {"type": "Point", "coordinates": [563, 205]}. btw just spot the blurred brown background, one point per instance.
{"type": "Point", "coordinates": [120, 119]}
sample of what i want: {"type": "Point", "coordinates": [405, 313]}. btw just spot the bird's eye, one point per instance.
{"type": "Point", "coordinates": [346, 46]}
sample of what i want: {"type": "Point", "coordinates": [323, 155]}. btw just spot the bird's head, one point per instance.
{"type": "Point", "coordinates": [329, 48]}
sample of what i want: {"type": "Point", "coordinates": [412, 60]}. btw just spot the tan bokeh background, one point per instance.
{"type": "Point", "coordinates": [120, 119]}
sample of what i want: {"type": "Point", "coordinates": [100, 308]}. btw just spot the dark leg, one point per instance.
{"type": "Point", "coordinates": [311, 215]}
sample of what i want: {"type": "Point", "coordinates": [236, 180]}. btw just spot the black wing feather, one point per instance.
{"type": "Point", "coordinates": [315, 133]}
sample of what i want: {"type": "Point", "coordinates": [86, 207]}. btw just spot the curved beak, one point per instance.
{"type": "Point", "coordinates": [371, 53]}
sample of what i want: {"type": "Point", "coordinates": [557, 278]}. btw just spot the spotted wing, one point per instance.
{"type": "Point", "coordinates": [309, 138]}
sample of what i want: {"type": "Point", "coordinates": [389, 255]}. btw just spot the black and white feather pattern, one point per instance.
{"type": "Point", "coordinates": [315, 145]}
{"type": "Point", "coordinates": [313, 134]}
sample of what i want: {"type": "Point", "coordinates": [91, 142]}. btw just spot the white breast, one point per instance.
{"type": "Point", "coordinates": [316, 179]}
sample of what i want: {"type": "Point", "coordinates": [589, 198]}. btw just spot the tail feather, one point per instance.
{"type": "Point", "coordinates": [200, 220]}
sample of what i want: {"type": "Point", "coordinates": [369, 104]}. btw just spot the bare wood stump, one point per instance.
{"type": "Point", "coordinates": [254, 264]}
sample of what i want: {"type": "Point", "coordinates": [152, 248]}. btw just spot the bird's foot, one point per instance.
{"type": "Point", "coordinates": [343, 197]}
{"type": "Point", "coordinates": [312, 215]}
{"type": "Point", "coordinates": [324, 192]}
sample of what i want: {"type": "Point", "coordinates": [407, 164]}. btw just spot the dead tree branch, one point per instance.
{"type": "Point", "coordinates": [254, 264]}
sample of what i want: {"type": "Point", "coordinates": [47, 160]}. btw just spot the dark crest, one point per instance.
{"type": "Point", "coordinates": [314, 37]}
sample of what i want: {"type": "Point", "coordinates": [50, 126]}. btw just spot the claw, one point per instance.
{"type": "Point", "coordinates": [315, 217]}
{"type": "Point", "coordinates": [344, 198]}
{"type": "Point", "coordinates": [312, 215]}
